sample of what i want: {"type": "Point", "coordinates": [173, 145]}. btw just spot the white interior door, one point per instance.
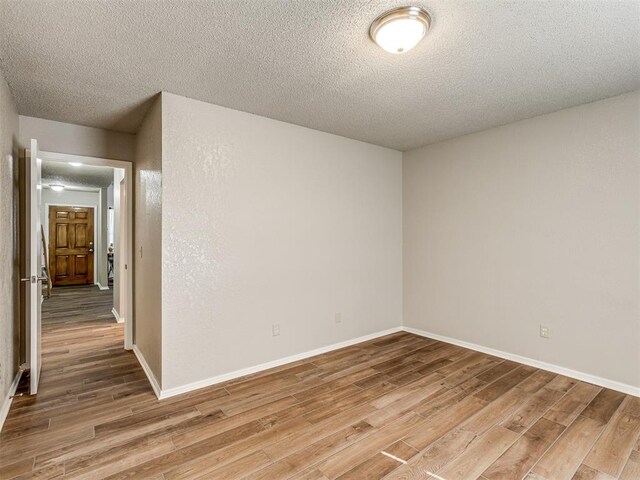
{"type": "Point", "coordinates": [122, 246]}
{"type": "Point", "coordinates": [34, 263]}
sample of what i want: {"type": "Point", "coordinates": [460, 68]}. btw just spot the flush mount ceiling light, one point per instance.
{"type": "Point", "coordinates": [56, 188]}
{"type": "Point", "coordinates": [75, 164]}
{"type": "Point", "coordinates": [400, 29]}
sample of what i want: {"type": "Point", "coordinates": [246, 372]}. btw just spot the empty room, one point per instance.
{"type": "Point", "coordinates": [320, 239]}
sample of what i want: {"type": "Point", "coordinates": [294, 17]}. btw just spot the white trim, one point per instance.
{"type": "Point", "coordinates": [128, 254]}
{"type": "Point", "coordinates": [6, 403]}
{"type": "Point", "coordinates": [585, 377]}
{"type": "Point", "coordinates": [116, 315]}
{"type": "Point", "coordinates": [101, 287]}
{"type": "Point", "coordinates": [147, 370]}
{"type": "Point", "coordinates": [265, 366]}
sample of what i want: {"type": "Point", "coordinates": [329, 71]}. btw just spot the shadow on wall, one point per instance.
{"type": "Point", "coordinates": [131, 118]}
{"type": "Point", "coordinates": [18, 264]}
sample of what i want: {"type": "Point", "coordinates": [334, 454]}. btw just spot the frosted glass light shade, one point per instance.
{"type": "Point", "coordinates": [399, 30]}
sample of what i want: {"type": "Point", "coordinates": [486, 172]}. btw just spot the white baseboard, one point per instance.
{"type": "Point", "coordinates": [116, 316]}
{"type": "Point", "coordinates": [6, 403]}
{"type": "Point", "coordinates": [266, 366]}
{"type": "Point", "coordinates": [585, 377]}
{"type": "Point", "coordinates": [147, 370]}
{"type": "Point", "coordinates": [101, 287]}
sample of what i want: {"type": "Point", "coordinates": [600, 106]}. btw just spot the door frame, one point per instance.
{"type": "Point", "coordinates": [95, 235]}
{"type": "Point", "coordinates": [127, 253]}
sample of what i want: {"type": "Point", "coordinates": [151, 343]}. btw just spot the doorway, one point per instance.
{"type": "Point", "coordinates": [77, 206]}
{"type": "Point", "coordinates": [71, 245]}
{"type": "Point", "coordinates": [113, 232]}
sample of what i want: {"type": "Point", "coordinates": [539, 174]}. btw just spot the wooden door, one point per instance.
{"type": "Point", "coordinates": [71, 245]}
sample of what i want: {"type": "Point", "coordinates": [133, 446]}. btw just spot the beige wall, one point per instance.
{"type": "Point", "coordinates": [75, 139]}
{"type": "Point", "coordinates": [147, 251]}
{"type": "Point", "coordinates": [9, 318]}
{"type": "Point", "coordinates": [536, 222]}
{"type": "Point", "coordinates": [265, 222]}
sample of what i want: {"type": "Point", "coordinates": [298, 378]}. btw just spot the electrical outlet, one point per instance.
{"type": "Point", "coordinates": [275, 329]}
{"type": "Point", "coordinates": [544, 331]}
{"type": "Point", "coordinates": [338, 318]}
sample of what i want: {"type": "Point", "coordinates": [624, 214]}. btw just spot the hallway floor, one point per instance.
{"type": "Point", "coordinates": [398, 407]}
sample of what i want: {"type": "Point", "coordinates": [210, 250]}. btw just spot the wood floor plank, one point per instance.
{"type": "Point", "coordinates": [444, 422]}
{"type": "Point", "coordinates": [190, 453]}
{"type": "Point", "coordinates": [434, 458]}
{"type": "Point", "coordinates": [588, 473]}
{"type": "Point", "coordinates": [613, 448]}
{"type": "Point", "coordinates": [564, 457]}
{"type": "Point", "coordinates": [401, 450]}
{"type": "Point", "coordinates": [344, 460]}
{"type": "Point", "coordinates": [240, 467]}
{"type": "Point", "coordinates": [482, 453]}
{"type": "Point", "coordinates": [532, 409]}
{"type": "Point", "coordinates": [17, 468]}
{"type": "Point", "coordinates": [573, 403]}
{"type": "Point", "coordinates": [631, 470]}
{"type": "Point", "coordinates": [505, 383]}
{"type": "Point", "coordinates": [315, 452]}
{"type": "Point", "coordinates": [310, 474]}
{"type": "Point", "coordinates": [54, 471]}
{"type": "Point", "coordinates": [375, 467]}
{"type": "Point", "coordinates": [525, 452]}
{"type": "Point", "coordinates": [497, 371]}
{"type": "Point", "coordinates": [603, 406]}
{"type": "Point", "coordinates": [217, 458]}
{"type": "Point", "coordinates": [104, 462]}
{"type": "Point", "coordinates": [308, 436]}
{"type": "Point", "coordinates": [496, 411]}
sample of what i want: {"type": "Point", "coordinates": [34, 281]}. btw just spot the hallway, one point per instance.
{"type": "Point", "coordinates": [86, 377]}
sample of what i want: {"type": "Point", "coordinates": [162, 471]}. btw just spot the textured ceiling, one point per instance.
{"type": "Point", "coordinates": [70, 176]}
{"type": "Point", "coordinates": [311, 63]}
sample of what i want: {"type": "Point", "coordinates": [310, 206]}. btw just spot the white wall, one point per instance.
{"type": "Point", "coordinates": [533, 222]}
{"type": "Point", "coordinates": [81, 198]}
{"type": "Point", "coordinates": [62, 137]}
{"type": "Point", "coordinates": [9, 318]}
{"type": "Point", "coordinates": [265, 222]}
{"type": "Point", "coordinates": [147, 253]}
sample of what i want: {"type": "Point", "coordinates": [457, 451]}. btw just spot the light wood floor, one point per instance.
{"type": "Point", "coordinates": [399, 407]}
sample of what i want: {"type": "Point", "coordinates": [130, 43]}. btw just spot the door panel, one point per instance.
{"type": "Point", "coordinates": [33, 247]}
{"type": "Point", "coordinates": [71, 245]}
{"type": "Point", "coordinates": [81, 265]}
{"type": "Point", "coordinates": [62, 265]}
{"type": "Point", "coordinates": [81, 236]}
{"type": "Point", "coordinates": [62, 235]}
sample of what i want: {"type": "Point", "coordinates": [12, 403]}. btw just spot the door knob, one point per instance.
{"type": "Point", "coordinates": [33, 279]}
{"type": "Point", "coordinates": [91, 250]}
